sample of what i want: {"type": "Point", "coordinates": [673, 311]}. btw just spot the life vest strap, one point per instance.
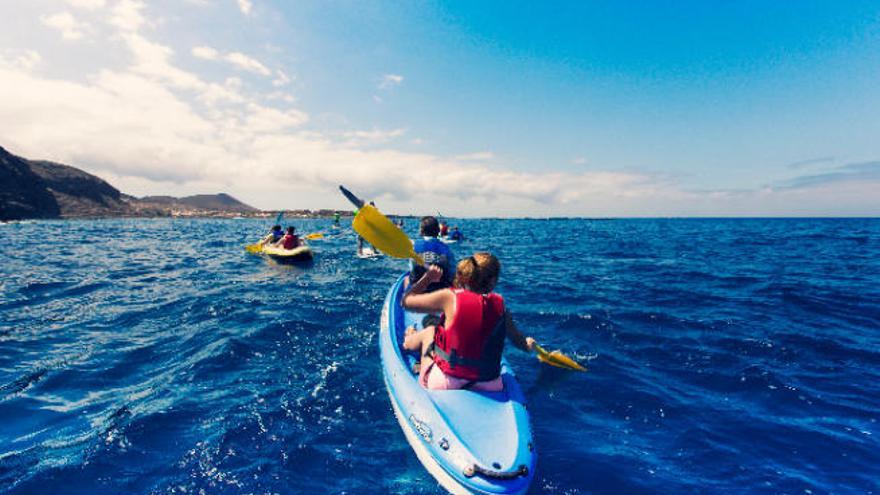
{"type": "Point", "coordinates": [454, 359]}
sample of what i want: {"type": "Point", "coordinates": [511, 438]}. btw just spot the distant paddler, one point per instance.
{"type": "Point", "coordinates": [273, 237]}
{"type": "Point", "coordinates": [291, 248]}
{"type": "Point", "coordinates": [434, 253]}
{"type": "Point", "coordinates": [289, 240]}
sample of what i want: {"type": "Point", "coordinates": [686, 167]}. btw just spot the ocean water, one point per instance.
{"type": "Point", "coordinates": [156, 356]}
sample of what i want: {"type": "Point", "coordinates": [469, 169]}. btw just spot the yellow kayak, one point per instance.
{"type": "Point", "coordinates": [281, 255]}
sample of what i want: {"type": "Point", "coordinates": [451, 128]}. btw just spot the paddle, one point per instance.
{"type": "Point", "coordinates": [558, 359]}
{"type": "Point", "coordinates": [379, 231]}
{"type": "Point", "coordinates": [314, 235]}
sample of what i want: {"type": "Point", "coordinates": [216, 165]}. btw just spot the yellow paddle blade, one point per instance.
{"type": "Point", "coordinates": [381, 232]}
{"type": "Point", "coordinates": [315, 235]}
{"type": "Point", "coordinates": [558, 359]}
{"type": "Point", "coordinates": [254, 248]}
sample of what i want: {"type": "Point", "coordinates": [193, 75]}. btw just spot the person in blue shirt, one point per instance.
{"type": "Point", "coordinates": [435, 253]}
{"type": "Point", "coordinates": [274, 236]}
{"type": "Point", "coordinates": [456, 234]}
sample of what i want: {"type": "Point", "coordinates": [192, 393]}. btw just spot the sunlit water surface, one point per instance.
{"type": "Point", "coordinates": [156, 356]}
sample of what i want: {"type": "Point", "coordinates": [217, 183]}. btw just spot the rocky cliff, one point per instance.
{"type": "Point", "coordinates": [23, 193]}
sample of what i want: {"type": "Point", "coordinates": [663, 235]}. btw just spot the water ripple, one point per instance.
{"type": "Point", "coordinates": [156, 356]}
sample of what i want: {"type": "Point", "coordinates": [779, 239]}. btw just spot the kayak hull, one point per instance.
{"type": "Point", "coordinates": [281, 255]}
{"type": "Point", "coordinates": [471, 442]}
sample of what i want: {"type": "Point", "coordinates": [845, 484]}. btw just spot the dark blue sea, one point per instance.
{"type": "Point", "coordinates": [158, 357]}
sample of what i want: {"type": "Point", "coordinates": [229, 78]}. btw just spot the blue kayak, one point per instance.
{"type": "Point", "coordinates": [471, 442]}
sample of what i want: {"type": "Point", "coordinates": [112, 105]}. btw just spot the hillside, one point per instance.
{"type": "Point", "coordinates": [23, 193]}
{"type": "Point", "coordinates": [43, 189]}
{"type": "Point", "coordinates": [80, 194]}
{"type": "Point", "coordinates": [216, 202]}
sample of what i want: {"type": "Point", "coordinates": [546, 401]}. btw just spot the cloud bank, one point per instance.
{"type": "Point", "coordinates": [155, 125]}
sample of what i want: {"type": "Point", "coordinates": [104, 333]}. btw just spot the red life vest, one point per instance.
{"type": "Point", "coordinates": [291, 241]}
{"type": "Point", "coordinates": [470, 348]}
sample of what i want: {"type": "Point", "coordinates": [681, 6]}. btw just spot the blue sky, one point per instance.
{"type": "Point", "coordinates": [474, 108]}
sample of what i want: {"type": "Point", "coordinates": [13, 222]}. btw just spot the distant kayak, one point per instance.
{"type": "Point", "coordinates": [471, 442]}
{"type": "Point", "coordinates": [368, 253]}
{"type": "Point", "coordinates": [448, 240]}
{"type": "Point", "coordinates": [296, 255]}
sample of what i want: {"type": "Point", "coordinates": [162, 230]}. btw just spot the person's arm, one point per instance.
{"type": "Point", "coordinates": [516, 337]}
{"type": "Point", "coordinates": [441, 300]}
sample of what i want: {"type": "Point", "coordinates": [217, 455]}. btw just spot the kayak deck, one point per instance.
{"type": "Point", "coordinates": [471, 442]}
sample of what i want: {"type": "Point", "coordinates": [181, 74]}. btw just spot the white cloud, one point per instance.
{"type": "Point", "coordinates": [390, 80]}
{"type": "Point", "coordinates": [87, 4]}
{"type": "Point", "coordinates": [249, 64]}
{"type": "Point", "coordinates": [281, 79]}
{"type": "Point", "coordinates": [24, 61]}
{"type": "Point", "coordinates": [371, 137]}
{"type": "Point", "coordinates": [245, 6]}
{"type": "Point", "coordinates": [241, 62]}
{"type": "Point", "coordinates": [261, 119]}
{"type": "Point", "coordinates": [66, 23]}
{"type": "Point", "coordinates": [151, 137]}
{"type": "Point", "coordinates": [205, 52]}
{"type": "Point", "coordinates": [476, 157]}
{"type": "Point", "coordinates": [213, 93]}
{"type": "Point", "coordinates": [153, 59]}
{"type": "Point", "coordinates": [280, 95]}
{"type": "Point", "coordinates": [126, 15]}
{"type": "Point", "coordinates": [579, 161]}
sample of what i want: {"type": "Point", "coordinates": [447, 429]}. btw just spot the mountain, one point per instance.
{"type": "Point", "coordinates": [23, 193]}
{"type": "Point", "coordinates": [80, 194]}
{"type": "Point", "coordinates": [215, 202]}
{"type": "Point", "coordinates": [42, 189]}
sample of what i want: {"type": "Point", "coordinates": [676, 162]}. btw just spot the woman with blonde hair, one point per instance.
{"type": "Point", "coordinates": [464, 349]}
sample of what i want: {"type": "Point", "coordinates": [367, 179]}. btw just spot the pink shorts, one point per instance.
{"type": "Point", "coordinates": [433, 378]}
